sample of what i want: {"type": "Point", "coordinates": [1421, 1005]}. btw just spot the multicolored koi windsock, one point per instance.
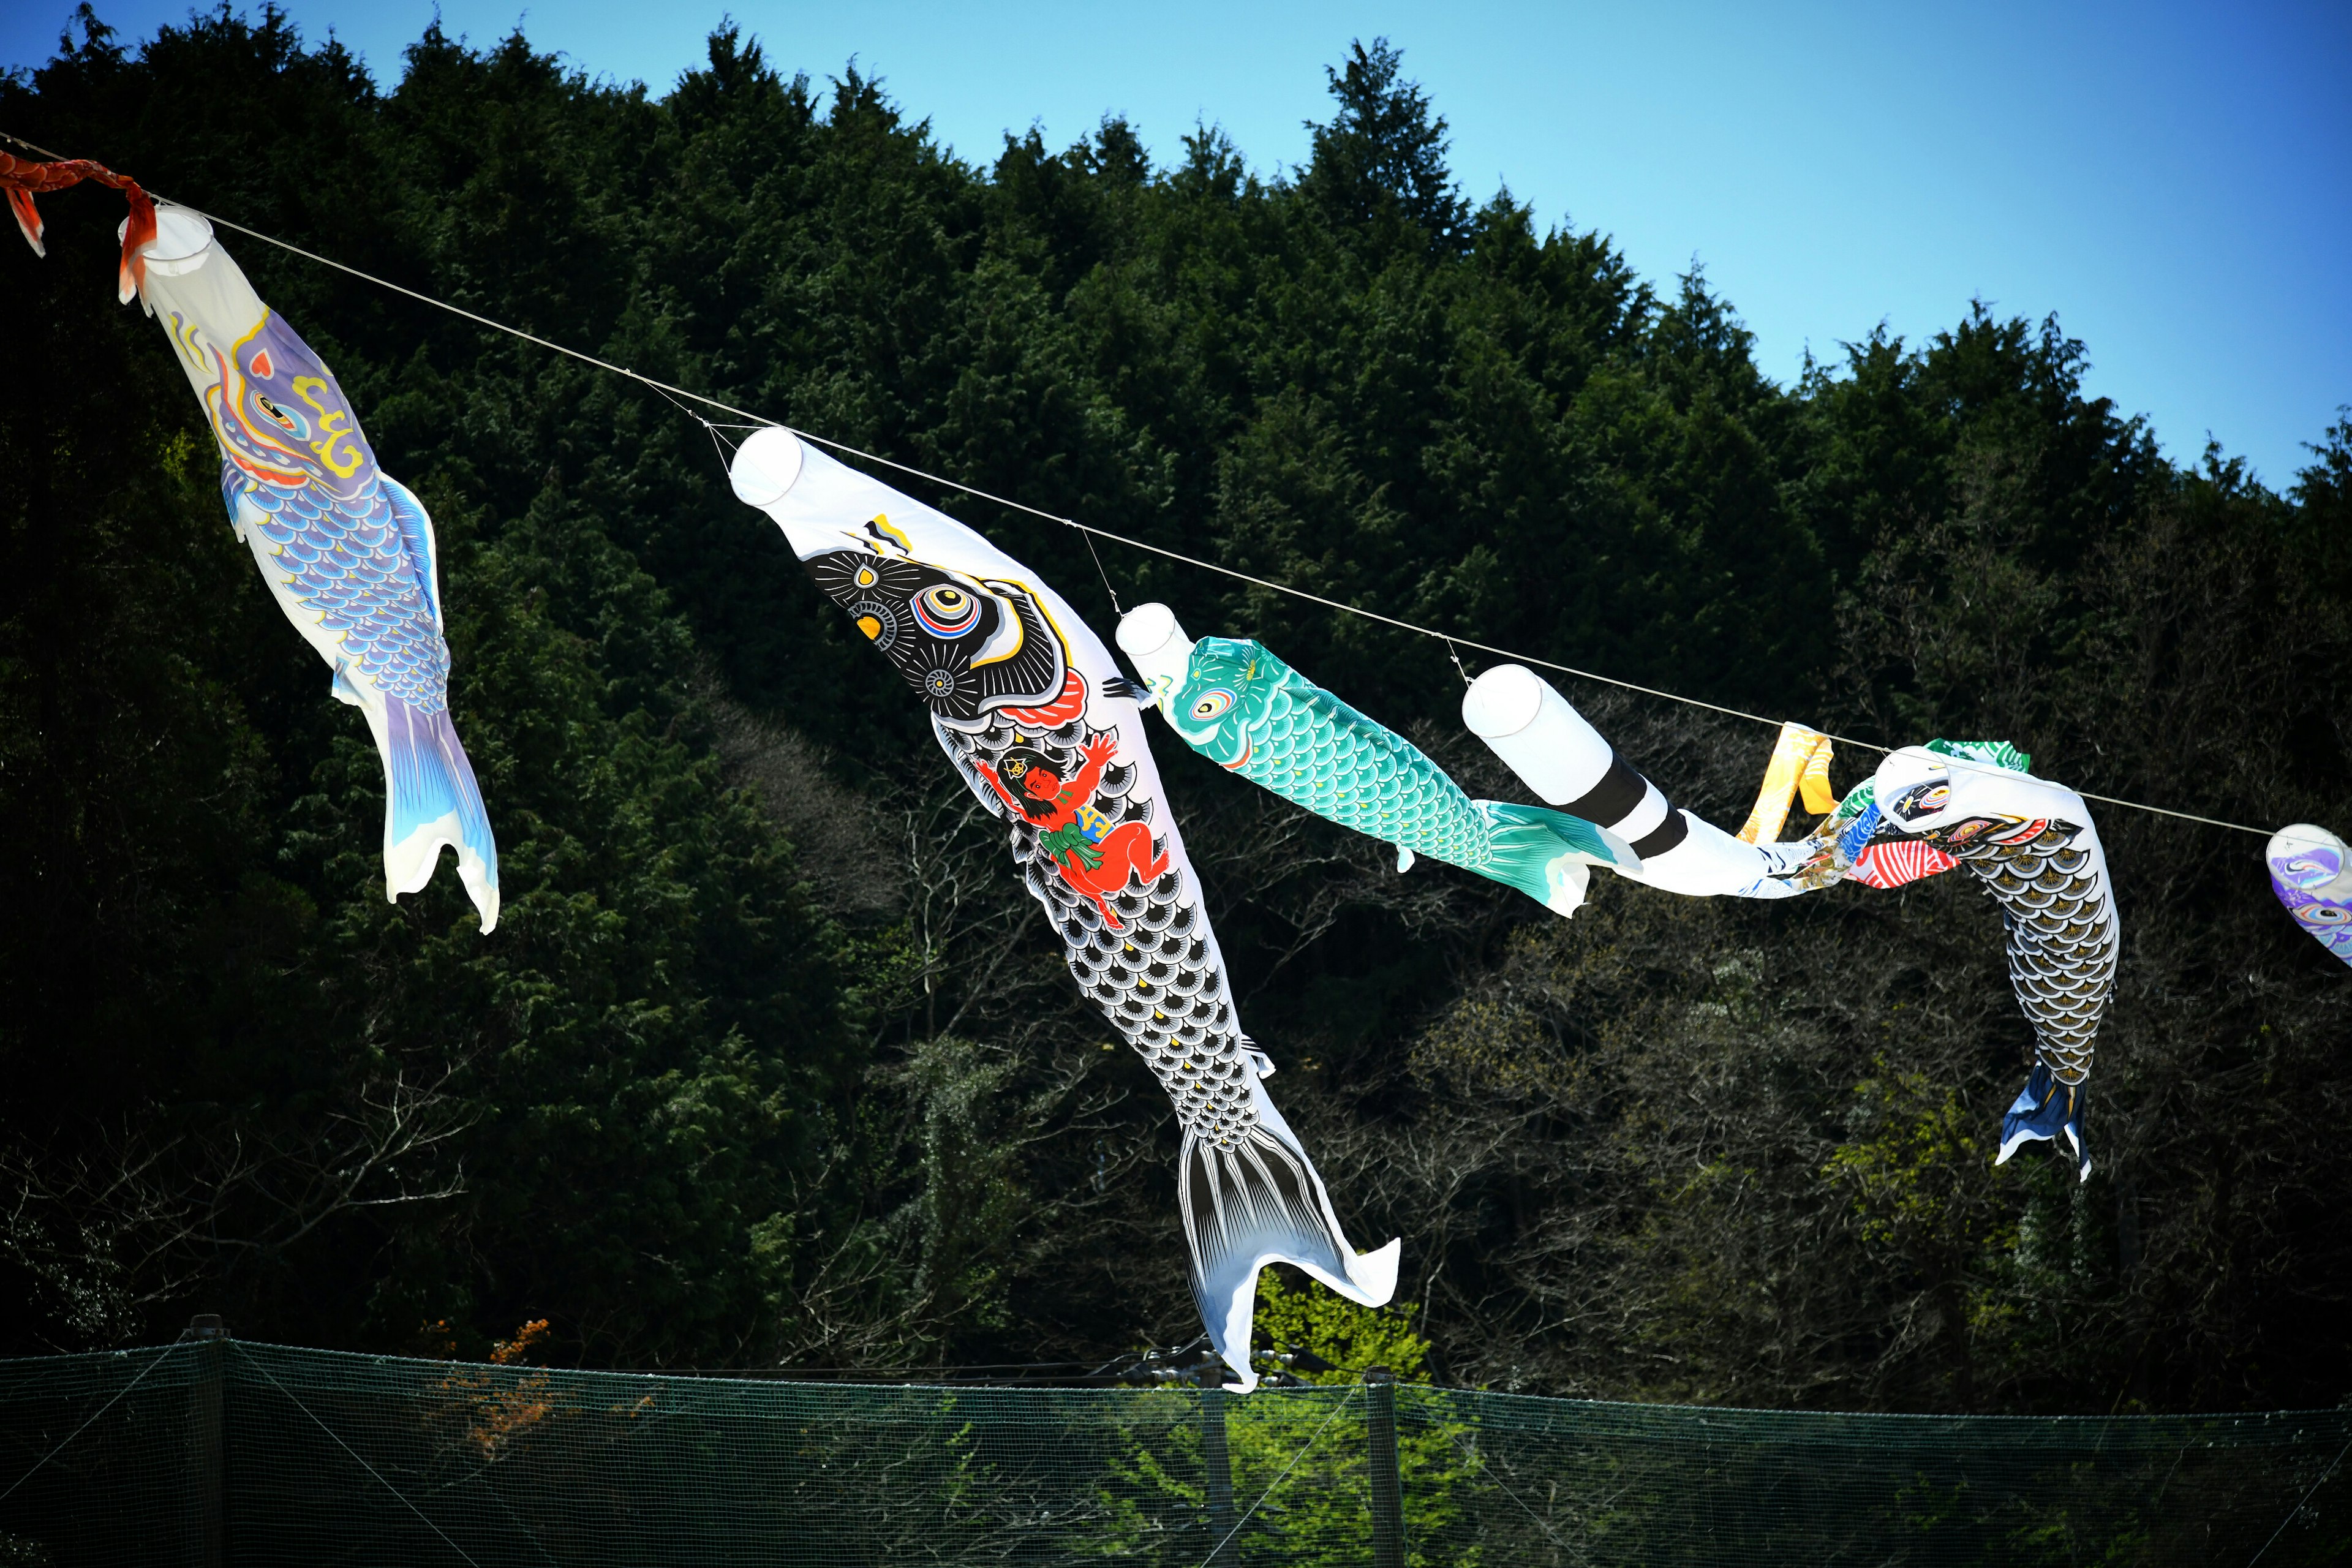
{"type": "Point", "coordinates": [2311, 872]}
{"type": "Point", "coordinates": [1042, 727]}
{"type": "Point", "coordinates": [347, 550]}
{"type": "Point", "coordinates": [2034, 846]}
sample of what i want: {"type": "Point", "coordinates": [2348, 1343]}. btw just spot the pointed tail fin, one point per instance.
{"type": "Point", "coordinates": [28, 219]}
{"type": "Point", "coordinates": [1546, 854]}
{"type": "Point", "coordinates": [431, 799]}
{"type": "Point", "coordinates": [2050, 1110]}
{"type": "Point", "coordinates": [1258, 1200]}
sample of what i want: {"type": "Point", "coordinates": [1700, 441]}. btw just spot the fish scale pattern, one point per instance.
{"type": "Point", "coordinates": [2063, 939]}
{"type": "Point", "coordinates": [346, 562]}
{"type": "Point", "coordinates": [1311, 748]}
{"type": "Point", "coordinates": [1160, 981]}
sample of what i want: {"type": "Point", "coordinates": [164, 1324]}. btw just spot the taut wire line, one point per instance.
{"type": "Point", "coordinates": [359, 1457]}
{"type": "Point", "coordinates": [673, 393]}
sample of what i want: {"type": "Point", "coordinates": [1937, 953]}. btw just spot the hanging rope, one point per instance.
{"type": "Point", "coordinates": [674, 393]}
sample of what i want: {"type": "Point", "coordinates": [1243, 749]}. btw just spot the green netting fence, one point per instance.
{"type": "Point", "coordinates": [222, 1451]}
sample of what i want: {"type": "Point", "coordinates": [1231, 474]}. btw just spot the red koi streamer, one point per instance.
{"type": "Point", "coordinates": [23, 178]}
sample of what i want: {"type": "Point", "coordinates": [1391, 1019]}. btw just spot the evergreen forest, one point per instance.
{"type": "Point", "coordinates": [771, 1063]}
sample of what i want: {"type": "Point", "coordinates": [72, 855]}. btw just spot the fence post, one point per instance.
{"type": "Point", "coordinates": [1217, 1467]}
{"type": "Point", "coordinates": [207, 1338]}
{"type": "Point", "coordinates": [1387, 1484]}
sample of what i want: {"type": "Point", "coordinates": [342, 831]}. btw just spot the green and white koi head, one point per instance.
{"type": "Point", "coordinates": [1225, 697]}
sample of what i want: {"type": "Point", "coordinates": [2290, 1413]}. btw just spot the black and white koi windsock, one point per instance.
{"type": "Point", "coordinates": [1042, 727]}
{"type": "Point", "coordinates": [1565, 761]}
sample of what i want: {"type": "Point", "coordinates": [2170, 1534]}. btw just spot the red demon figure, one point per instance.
{"type": "Point", "coordinates": [1094, 854]}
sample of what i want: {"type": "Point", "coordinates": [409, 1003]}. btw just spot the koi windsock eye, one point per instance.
{"type": "Point", "coordinates": [1211, 704]}
{"type": "Point", "coordinates": [283, 417]}
{"type": "Point", "coordinates": [947, 611]}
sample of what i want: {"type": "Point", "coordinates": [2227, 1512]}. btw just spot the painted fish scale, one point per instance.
{"type": "Point", "coordinates": [2062, 942]}
{"type": "Point", "coordinates": [346, 563]}
{"type": "Point", "coordinates": [1158, 982]}
{"type": "Point", "coordinates": [1361, 776]}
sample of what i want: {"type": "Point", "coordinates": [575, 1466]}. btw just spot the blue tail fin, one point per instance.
{"type": "Point", "coordinates": [1544, 854]}
{"type": "Point", "coordinates": [2047, 1109]}
{"type": "Point", "coordinates": [431, 799]}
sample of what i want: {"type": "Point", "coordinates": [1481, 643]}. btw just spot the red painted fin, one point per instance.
{"type": "Point", "coordinates": [1059, 712]}
{"type": "Point", "coordinates": [29, 218]}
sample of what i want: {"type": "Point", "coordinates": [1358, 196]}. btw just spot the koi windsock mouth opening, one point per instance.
{"type": "Point", "coordinates": [766, 466]}
{"type": "Point", "coordinates": [1156, 645]}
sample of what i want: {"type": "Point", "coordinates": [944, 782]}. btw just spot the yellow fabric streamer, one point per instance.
{"type": "Point", "coordinates": [1800, 760]}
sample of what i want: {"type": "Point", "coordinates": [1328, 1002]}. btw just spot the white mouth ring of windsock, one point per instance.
{"type": "Point", "coordinates": [2301, 838]}
{"type": "Point", "coordinates": [1149, 636]}
{"type": "Point", "coordinates": [766, 466]}
{"type": "Point", "coordinates": [182, 239]}
{"type": "Point", "coordinates": [1538, 735]}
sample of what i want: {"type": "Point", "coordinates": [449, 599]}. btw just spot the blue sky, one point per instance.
{"type": "Point", "coordinates": [2174, 181]}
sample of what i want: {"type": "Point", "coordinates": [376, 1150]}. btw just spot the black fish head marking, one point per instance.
{"type": "Point", "coordinates": [968, 646]}
{"type": "Point", "coordinates": [1921, 800]}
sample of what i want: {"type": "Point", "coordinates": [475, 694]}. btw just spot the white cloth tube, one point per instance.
{"type": "Point", "coordinates": [1568, 765]}
{"type": "Point", "coordinates": [1532, 727]}
{"type": "Point", "coordinates": [1149, 636]}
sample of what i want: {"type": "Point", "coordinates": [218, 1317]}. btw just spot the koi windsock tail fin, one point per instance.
{"type": "Point", "coordinates": [1800, 764]}
{"type": "Point", "coordinates": [138, 232]}
{"type": "Point", "coordinates": [1548, 855]}
{"type": "Point", "coordinates": [430, 800]}
{"type": "Point", "coordinates": [28, 219]}
{"type": "Point", "coordinates": [2050, 1110]}
{"type": "Point", "coordinates": [1258, 1200]}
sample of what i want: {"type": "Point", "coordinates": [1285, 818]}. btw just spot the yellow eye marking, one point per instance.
{"type": "Point", "coordinates": [866, 578]}
{"type": "Point", "coordinates": [870, 627]}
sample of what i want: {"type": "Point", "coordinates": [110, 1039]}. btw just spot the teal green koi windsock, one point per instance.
{"type": "Point", "coordinates": [1243, 707]}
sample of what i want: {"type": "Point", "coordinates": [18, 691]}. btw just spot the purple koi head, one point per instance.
{"type": "Point", "coordinates": [281, 418]}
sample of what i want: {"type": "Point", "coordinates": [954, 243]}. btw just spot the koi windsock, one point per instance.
{"type": "Point", "coordinates": [1039, 723]}
{"type": "Point", "coordinates": [23, 178]}
{"type": "Point", "coordinates": [347, 550]}
{"type": "Point", "coordinates": [1565, 761]}
{"type": "Point", "coordinates": [1237, 704]}
{"type": "Point", "coordinates": [2311, 872]}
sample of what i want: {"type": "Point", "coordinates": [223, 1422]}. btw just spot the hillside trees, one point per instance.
{"type": "Point", "coordinates": [771, 1060]}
